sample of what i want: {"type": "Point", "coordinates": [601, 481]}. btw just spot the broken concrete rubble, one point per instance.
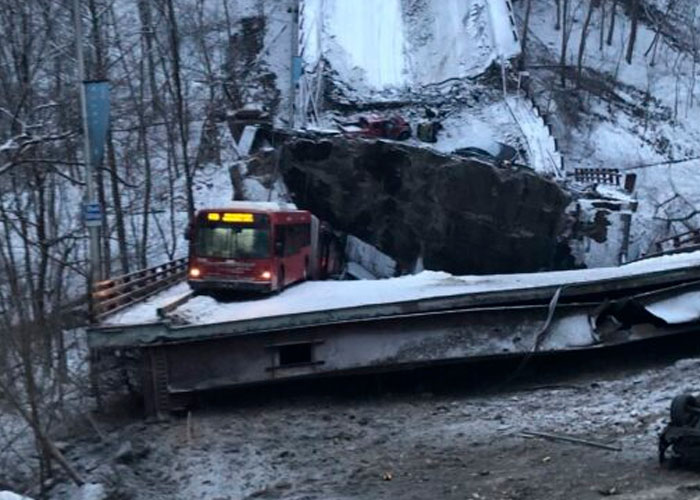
{"type": "Point", "coordinates": [461, 216]}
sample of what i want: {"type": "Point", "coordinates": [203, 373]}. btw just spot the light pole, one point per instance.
{"type": "Point", "coordinates": [295, 70]}
{"type": "Point", "coordinates": [92, 210]}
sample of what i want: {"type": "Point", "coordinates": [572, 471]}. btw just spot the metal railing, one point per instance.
{"type": "Point", "coordinates": [114, 294]}
{"type": "Point", "coordinates": [609, 176]}
{"type": "Point", "coordinates": [688, 239]}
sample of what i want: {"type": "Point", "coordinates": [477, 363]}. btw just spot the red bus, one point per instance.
{"type": "Point", "coordinates": [250, 246]}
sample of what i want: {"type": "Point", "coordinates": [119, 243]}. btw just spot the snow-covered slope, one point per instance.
{"type": "Point", "coordinates": [378, 46]}
{"type": "Point", "coordinates": [410, 50]}
{"type": "Point", "coordinates": [627, 116]}
{"type": "Point", "coordinates": [542, 149]}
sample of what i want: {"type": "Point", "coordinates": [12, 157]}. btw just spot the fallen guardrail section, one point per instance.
{"type": "Point", "coordinates": [557, 311]}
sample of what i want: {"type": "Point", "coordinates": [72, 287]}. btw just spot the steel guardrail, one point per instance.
{"type": "Point", "coordinates": [114, 294]}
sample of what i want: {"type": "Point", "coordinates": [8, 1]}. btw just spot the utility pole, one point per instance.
{"type": "Point", "coordinates": [295, 70]}
{"type": "Point", "coordinates": [91, 205]}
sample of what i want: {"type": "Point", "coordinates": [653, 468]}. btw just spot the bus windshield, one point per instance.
{"type": "Point", "coordinates": [233, 242]}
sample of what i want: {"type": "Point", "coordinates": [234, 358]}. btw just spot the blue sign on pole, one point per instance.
{"type": "Point", "coordinates": [97, 104]}
{"type": "Point", "coordinates": [296, 68]}
{"type": "Point", "coordinates": [92, 214]}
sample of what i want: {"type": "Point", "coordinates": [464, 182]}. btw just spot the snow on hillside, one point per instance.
{"type": "Point", "coordinates": [617, 125]}
{"type": "Point", "coordinates": [406, 47]}
{"type": "Point", "coordinates": [423, 52]}
{"type": "Point", "coordinates": [389, 45]}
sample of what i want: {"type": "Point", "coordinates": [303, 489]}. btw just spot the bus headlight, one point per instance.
{"type": "Point", "coordinates": [266, 275]}
{"type": "Point", "coordinates": [195, 273]}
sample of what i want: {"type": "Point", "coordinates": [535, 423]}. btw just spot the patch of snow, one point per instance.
{"type": "Point", "coordinates": [574, 331]}
{"type": "Point", "coordinates": [614, 192]}
{"type": "Point", "coordinates": [357, 271]}
{"type": "Point", "coordinates": [475, 126]}
{"type": "Point", "coordinates": [327, 295]}
{"type": "Point", "coordinates": [8, 145]}
{"type": "Point", "coordinates": [246, 142]}
{"type": "Point", "coordinates": [8, 495]}
{"type": "Point", "coordinates": [544, 156]}
{"type": "Point", "coordinates": [681, 309]}
{"type": "Point", "coordinates": [264, 206]}
{"type": "Point", "coordinates": [373, 260]}
{"type": "Point", "coordinates": [146, 311]}
{"type": "Point", "coordinates": [505, 35]}
{"type": "Point", "coordinates": [449, 39]}
{"type": "Point", "coordinates": [255, 190]}
{"type": "Point", "coordinates": [611, 250]}
{"type": "Point", "coordinates": [378, 46]}
{"type": "Point", "coordinates": [364, 40]}
{"type": "Point", "coordinates": [92, 491]}
{"type": "Point", "coordinates": [213, 186]}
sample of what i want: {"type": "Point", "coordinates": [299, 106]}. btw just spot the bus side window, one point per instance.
{"type": "Point", "coordinates": [291, 241]}
{"type": "Point", "coordinates": [296, 237]}
{"type": "Point", "coordinates": [280, 241]}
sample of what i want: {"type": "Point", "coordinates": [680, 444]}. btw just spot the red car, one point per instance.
{"type": "Point", "coordinates": [391, 127]}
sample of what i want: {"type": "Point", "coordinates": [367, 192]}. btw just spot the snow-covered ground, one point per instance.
{"type": "Point", "coordinates": [429, 442]}
{"type": "Point", "coordinates": [8, 495]}
{"type": "Point", "coordinates": [542, 151]}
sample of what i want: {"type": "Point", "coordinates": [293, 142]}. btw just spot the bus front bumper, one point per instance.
{"type": "Point", "coordinates": [234, 286]}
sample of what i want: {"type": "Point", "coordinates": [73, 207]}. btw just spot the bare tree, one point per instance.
{"type": "Point", "coordinates": [564, 40]}
{"type": "Point", "coordinates": [523, 38]}
{"type": "Point", "coordinates": [611, 29]}
{"type": "Point", "coordinates": [633, 30]}
{"type": "Point", "coordinates": [180, 105]}
{"type": "Point", "coordinates": [601, 39]}
{"type": "Point", "coordinates": [582, 43]}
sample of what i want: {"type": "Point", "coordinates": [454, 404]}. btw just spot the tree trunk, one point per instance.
{"type": "Point", "coordinates": [181, 107]}
{"type": "Point", "coordinates": [523, 38]}
{"type": "Point", "coordinates": [601, 41]}
{"type": "Point", "coordinates": [117, 203]}
{"type": "Point", "coordinates": [611, 29]}
{"type": "Point", "coordinates": [564, 41]}
{"type": "Point", "coordinates": [633, 31]}
{"type": "Point", "coordinates": [582, 44]}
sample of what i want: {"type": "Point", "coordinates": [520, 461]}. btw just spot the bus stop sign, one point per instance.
{"type": "Point", "coordinates": [92, 214]}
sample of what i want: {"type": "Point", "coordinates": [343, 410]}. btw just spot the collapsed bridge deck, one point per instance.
{"type": "Point", "coordinates": [320, 328]}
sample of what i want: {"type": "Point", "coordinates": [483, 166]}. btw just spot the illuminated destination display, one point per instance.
{"type": "Point", "coordinates": [230, 217]}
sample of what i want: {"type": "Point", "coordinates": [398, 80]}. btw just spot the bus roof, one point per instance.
{"type": "Point", "coordinates": [254, 206]}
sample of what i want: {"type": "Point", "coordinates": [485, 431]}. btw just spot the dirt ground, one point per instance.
{"type": "Point", "coordinates": [450, 433]}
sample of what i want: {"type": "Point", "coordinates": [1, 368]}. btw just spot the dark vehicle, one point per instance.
{"type": "Point", "coordinates": [494, 152]}
{"type": "Point", "coordinates": [682, 436]}
{"type": "Point", "coordinates": [378, 126]}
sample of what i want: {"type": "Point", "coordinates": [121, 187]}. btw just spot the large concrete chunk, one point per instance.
{"type": "Point", "coordinates": [461, 216]}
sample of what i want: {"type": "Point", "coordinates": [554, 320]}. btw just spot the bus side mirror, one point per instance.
{"type": "Point", "coordinates": [188, 232]}
{"type": "Point", "coordinates": [279, 248]}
